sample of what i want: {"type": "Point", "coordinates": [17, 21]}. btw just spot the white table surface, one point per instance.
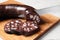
{"type": "Point", "coordinates": [54, 33]}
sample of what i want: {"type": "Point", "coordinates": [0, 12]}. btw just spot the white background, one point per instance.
{"type": "Point", "coordinates": [38, 4]}
{"type": "Point", "coordinates": [54, 33]}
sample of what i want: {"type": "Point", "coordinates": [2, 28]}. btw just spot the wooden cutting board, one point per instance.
{"type": "Point", "coordinates": [48, 18]}
{"type": "Point", "coordinates": [51, 20]}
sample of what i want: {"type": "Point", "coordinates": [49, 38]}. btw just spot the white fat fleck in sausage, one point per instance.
{"type": "Point", "coordinates": [12, 22]}
{"type": "Point", "coordinates": [31, 16]}
{"type": "Point", "coordinates": [28, 29]}
{"type": "Point", "coordinates": [25, 29]}
{"type": "Point", "coordinates": [31, 28]}
{"type": "Point", "coordinates": [34, 17]}
{"type": "Point", "coordinates": [12, 25]}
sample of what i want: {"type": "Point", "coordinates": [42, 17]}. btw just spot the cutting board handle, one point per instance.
{"type": "Point", "coordinates": [11, 2]}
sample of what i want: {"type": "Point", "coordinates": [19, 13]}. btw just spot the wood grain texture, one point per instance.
{"type": "Point", "coordinates": [50, 21]}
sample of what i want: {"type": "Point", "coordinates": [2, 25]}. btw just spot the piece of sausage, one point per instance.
{"type": "Point", "coordinates": [14, 26]}
{"type": "Point", "coordinates": [18, 11]}
{"type": "Point", "coordinates": [7, 28]}
{"type": "Point", "coordinates": [30, 28]}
